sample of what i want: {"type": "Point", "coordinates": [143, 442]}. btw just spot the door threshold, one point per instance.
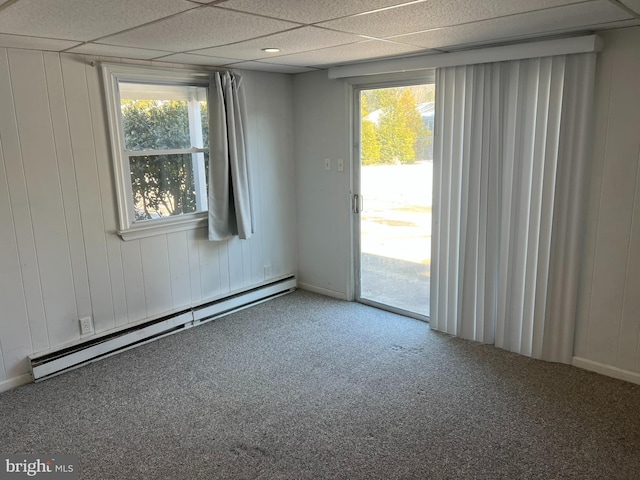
{"type": "Point", "coordinates": [396, 310]}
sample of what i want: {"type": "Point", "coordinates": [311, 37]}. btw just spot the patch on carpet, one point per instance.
{"type": "Point", "coordinates": [243, 450]}
{"type": "Point", "coordinates": [407, 350]}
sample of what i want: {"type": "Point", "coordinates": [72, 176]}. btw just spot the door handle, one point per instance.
{"type": "Point", "coordinates": [358, 204]}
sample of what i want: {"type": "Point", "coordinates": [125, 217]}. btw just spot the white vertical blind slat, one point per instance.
{"type": "Point", "coordinates": [511, 164]}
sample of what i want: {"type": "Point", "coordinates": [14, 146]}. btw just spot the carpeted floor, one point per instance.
{"type": "Point", "coordinates": [306, 387]}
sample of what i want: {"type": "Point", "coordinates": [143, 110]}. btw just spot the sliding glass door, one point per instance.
{"type": "Point", "coordinates": [394, 178]}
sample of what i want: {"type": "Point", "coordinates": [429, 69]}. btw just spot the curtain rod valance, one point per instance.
{"type": "Point", "coordinates": [546, 48]}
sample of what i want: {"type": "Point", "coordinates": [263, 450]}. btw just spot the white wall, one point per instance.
{"type": "Point", "coordinates": [321, 109]}
{"type": "Point", "coordinates": [60, 258]}
{"type": "Point", "coordinates": [608, 325]}
{"type": "Point", "coordinates": [608, 329]}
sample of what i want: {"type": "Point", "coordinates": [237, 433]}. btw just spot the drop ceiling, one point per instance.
{"type": "Point", "coordinates": [310, 34]}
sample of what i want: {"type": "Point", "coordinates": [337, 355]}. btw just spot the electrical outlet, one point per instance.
{"type": "Point", "coordinates": [340, 163]}
{"type": "Point", "coordinates": [85, 326]}
{"type": "Point", "coordinates": [267, 271]}
{"type": "Point", "coordinates": [327, 164]}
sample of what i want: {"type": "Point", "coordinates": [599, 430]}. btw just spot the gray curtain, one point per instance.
{"type": "Point", "coordinates": [230, 204]}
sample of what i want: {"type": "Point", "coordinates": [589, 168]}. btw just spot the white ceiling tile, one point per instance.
{"type": "Point", "coordinates": [114, 51]}
{"type": "Point", "coordinates": [83, 19]}
{"type": "Point", "coordinates": [308, 11]}
{"type": "Point", "coordinates": [345, 53]}
{"type": "Point", "coordinates": [200, 28]}
{"type": "Point", "coordinates": [435, 13]}
{"type": "Point", "coordinates": [541, 22]}
{"type": "Point", "coordinates": [35, 43]}
{"type": "Point", "coordinates": [293, 41]}
{"type": "Point", "coordinates": [633, 5]}
{"type": "Point", "coordinates": [196, 59]}
{"type": "Point", "coordinates": [537, 36]}
{"type": "Point", "coordinates": [270, 67]}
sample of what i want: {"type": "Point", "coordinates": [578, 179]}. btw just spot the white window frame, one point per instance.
{"type": "Point", "coordinates": [113, 74]}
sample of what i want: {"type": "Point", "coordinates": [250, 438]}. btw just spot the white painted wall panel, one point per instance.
{"type": "Point", "coordinates": [84, 154]}
{"type": "Point", "coordinates": [21, 212]}
{"type": "Point", "coordinates": [323, 213]}
{"type": "Point", "coordinates": [44, 194]}
{"type": "Point", "coordinates": [133, 281]}
{"type": "Point", "coordinates": [608, 324]}
{"type": "Point", "coordinates": [15, 337]}
{"type": "Point", "coordinates": [156, 274]}
{"type": "Point", "coordinates": [67, 173]}
{"type": "Point", "coordinates": [209, 268]}
{"type": "Point", "coordinates": [60, 256]}
{"type": "Point", "coordinates": [223, 266]}
{"type": "Point", "coordinates": [257, 243]}
{"type": "Point", "coordinates": [193, 251]}
{"type": "Point", "coordinates": [279, 178]}
{"type": "Point", "coordinates": [236, 263]}
{"type": "Point", "coordinates": [629, 352]}
{"type": "Point", "coordinates": [180, 280]}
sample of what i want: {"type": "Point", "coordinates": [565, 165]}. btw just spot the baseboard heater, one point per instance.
{"type": "Point", "coordinates": [49, 364]}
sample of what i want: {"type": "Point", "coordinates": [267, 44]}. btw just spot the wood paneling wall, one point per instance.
{"type": "Point", "coordinates": [608, 329]}
{"type": "Point", "coordinates": [60, 258]}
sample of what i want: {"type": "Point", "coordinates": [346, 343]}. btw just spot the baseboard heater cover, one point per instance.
{"type": "Point", "coordinates": [47, 365]}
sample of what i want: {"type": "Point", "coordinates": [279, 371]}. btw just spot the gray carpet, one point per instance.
{"type": "Point", "coordinates": [309, 387]}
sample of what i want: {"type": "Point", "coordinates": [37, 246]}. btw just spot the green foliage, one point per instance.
{"type": "Point", "coordinates": [162, 185]}
{"type": "Point", "coordinates": [370, 145]}
{"type": "Point", "coordinates": [400, 135]}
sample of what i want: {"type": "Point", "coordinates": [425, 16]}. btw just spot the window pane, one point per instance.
{"type": "Point", "coordinates": [161, 117]}
{"type": "Point", "coordinates": [164, 185]}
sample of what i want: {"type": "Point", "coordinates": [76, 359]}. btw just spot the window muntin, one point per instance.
{"type": "Point", "coordinates": [164, 130]}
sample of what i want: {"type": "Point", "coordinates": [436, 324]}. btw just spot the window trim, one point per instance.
{"type": "Point", "coordinates": [112, 74]}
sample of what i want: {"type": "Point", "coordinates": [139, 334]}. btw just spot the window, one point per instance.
{"type": "Point", "coordinates": [160, 143]}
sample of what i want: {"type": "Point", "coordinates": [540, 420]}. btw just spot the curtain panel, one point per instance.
{"type": "Point", "coordinates": [230, 202]}
{"type": "Point", "coordinates": [511, 164]}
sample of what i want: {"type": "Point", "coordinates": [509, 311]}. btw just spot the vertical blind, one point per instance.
{"type": "Point", "coordinates": [511, 162]}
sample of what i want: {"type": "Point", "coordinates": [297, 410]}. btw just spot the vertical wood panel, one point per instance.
{"type": "Point", "coordinates": [155, 271]}
{"type": "Point", "coordinates": [614, 228]}
{"type": "Point", "coordinates": [209, 269]}
{"type": "Point", "coordinates": [133, 281]}
{"type": "Point", "coordinates": [629, 351]}
{"type": "Point", "coordinates": [15, 338]}
{"type": "Point", "coordinates": [246, 261]}
{"type": "Point", "coordinates": [236, 264]}
{"type": "Point", "coordinates": [177, 244]}
{"type": "Point", "coordinates": [223, 265]}
{"type": "Point", "coordinates": [80, 126]}
{"type": "Point", "coordinates": [67, 173]}
{"type": "Point", "coordinates": [277, 143]}
{"type": "Point", "coordinates": [45, 195]}
{"type": "Point", "coordinates": [256, 244]}
{"type": "Point", "coordinates": [194, 264]}
{"type": "Point", "coordinates": [106, 181]}
{"type": "Point", "coordinates": [20, 209]}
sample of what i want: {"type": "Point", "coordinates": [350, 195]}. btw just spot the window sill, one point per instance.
{"type": "Point", "coordinates": [164, 226]}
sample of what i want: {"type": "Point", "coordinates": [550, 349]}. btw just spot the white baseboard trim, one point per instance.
{"type": "Point", "coordinates": [15, 382]}
{"type": "Point", "coordinates": [323, 291]}
{"type": "Point", "coordinates": [607, 370]}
